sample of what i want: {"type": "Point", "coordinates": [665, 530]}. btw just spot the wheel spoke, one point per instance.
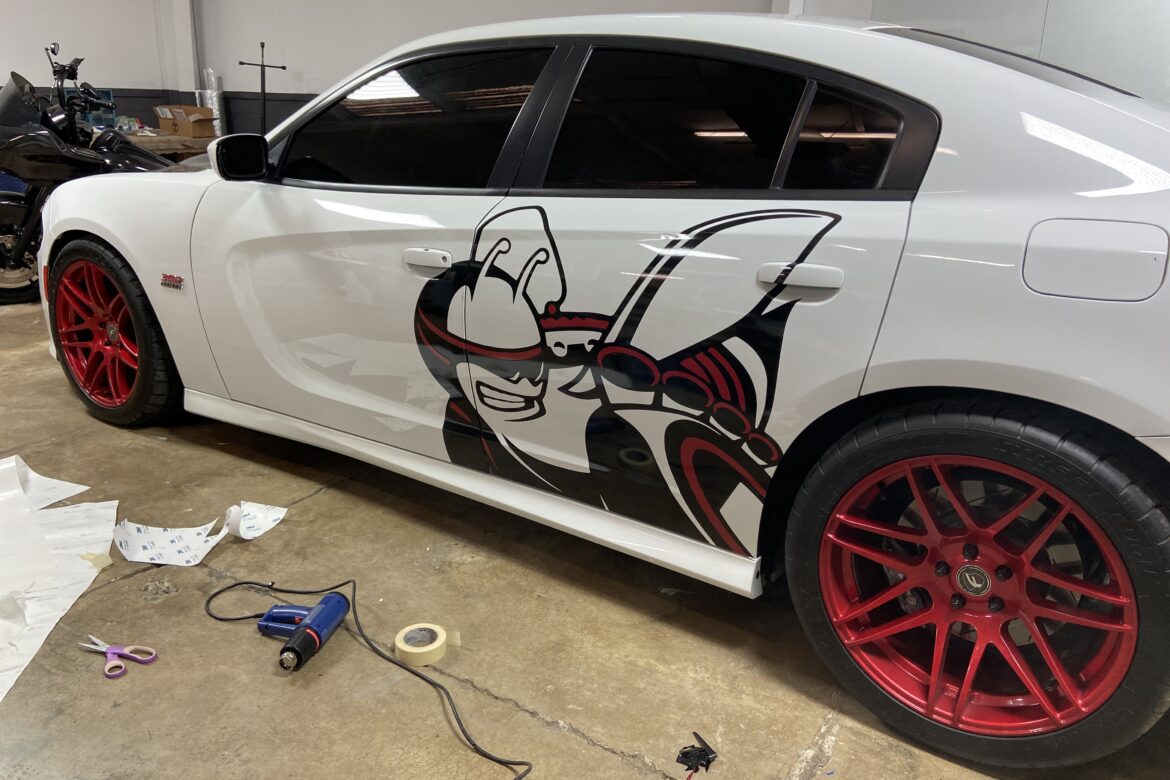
{"type": "Point", "coordinates": [86, 325]}
{"type": "Point", "coordinates": [1071, 690]}
{"type": "Point", "coordinates": [895, 562]}
{"type": "Point", "coordinates": [118, 310]}
{"type": "Point", "coordinates": [934, 528]}
{"type": "Point", "coordinates": [895, 626]}
{"type": "Point", "coordinates": [1065, 614]}
{"type": "Point", "coordinates": [95, 281]}
{"type": "Point", "coordinates": [78, 299]}
{"type": "Point", "coordinates": [129, 357]}
{"type": "Point", "coordinates": [114, 379]}
{"type": "Point", "coordinates": [900, 533]}
{"type": "Point", "coordinates": [93, 368]}
{"type": "Point", "coordinates": [954, 495]}
{"type": "Point", "coordinates": [1009, 516]}
{"type": "Point", "coordinates": [964, 697]}
{"type": "Point", "coordinates": [869, 605]}
{"type": "Point", "coordinates": [1041, 537]}
{"type": "Point", "coordinates": [1011, 653]}
{"type": "Point", "coordinates": [1110, 593]}
{"type": "Point", "coordinates": [942, 637]}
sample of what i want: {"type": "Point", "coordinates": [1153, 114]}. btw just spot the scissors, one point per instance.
{"type": "Point", "coordinates": [115, 666]}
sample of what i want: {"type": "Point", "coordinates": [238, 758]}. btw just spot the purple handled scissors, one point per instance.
{"type": "Point", "coordinates": [115, 666]}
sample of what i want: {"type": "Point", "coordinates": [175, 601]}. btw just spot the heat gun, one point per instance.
{"type": "Point", "coordinates": [306, 629]}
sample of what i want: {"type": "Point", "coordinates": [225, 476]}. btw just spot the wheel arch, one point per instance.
{"type": "Point", "coordinates": [815, 439]}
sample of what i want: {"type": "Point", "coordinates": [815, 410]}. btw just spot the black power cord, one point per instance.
{"type": "Point", "coordinates": [438, 686]}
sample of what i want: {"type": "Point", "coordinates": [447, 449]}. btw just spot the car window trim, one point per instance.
{"type": "Point", "coordinates": [511, 152]}
{"type": "Point", "coordinates": [788, 150]}
{"type": "Point", "coordinates": [918, 134]}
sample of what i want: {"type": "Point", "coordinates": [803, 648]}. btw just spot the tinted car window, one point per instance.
{"type": "Point", "coordinates": [656, 120]}
{"type": "Point", "coordinates": [434, 123]}
{"type": "Point", "coordinates": [843, 145]}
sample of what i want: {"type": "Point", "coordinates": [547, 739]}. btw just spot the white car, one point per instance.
{"type": "Point", "coordinates": [873, 310]}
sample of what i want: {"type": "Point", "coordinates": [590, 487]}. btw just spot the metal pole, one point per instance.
{"type": "Point", "coordinates": [263, 93]}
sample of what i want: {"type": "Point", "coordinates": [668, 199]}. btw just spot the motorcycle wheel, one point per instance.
{"type": "Point", "coordinates": [108, 339]}
{"type": "Point", "coordinates": [19, 285]}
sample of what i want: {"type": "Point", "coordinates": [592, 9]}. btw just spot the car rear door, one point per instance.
{"type": "Point", "coordinates": [308, 282]}
{"type": "Point", "coordinates": [692, 266]}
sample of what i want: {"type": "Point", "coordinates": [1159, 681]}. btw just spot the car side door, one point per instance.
{"type": "Point", "coordinates": [692, 266]}
{"type": "Point", "coordinates": [308, 282]}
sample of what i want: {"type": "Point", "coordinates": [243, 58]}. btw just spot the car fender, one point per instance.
{"type": "Point", "coordinates": [154, 237]}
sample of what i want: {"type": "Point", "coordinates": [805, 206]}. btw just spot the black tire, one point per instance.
{"type": "Point", "coordinates": [157, 391]}
{"type": "Point", "coordinates": [1109, 477]}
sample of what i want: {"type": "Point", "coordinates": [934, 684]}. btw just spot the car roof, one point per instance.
{"type": "Point", "coordinates": [687, 25]}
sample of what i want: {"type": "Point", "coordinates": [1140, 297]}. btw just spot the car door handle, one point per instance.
{"type": "Point", "coordinates": [426, 257]}
{"type": "Point", "coordinates": [804, 275]}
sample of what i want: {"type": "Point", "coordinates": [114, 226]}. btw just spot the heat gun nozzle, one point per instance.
{"type": "Point", "coordinates": [288, 660]}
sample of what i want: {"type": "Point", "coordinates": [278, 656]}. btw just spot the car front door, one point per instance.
{"type": "Point", "coordinates": [308, 283]}
{"type": "Point", "coordinates": [692, 266]}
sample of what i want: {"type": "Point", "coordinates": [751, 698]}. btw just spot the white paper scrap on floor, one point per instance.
{"type": "Point", "coordinates": [48, 557]}
{"type": "Point", "coordinates": [188, 546]}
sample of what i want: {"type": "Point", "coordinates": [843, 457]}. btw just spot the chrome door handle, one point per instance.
{"type": "Point", "coordinates": [426, 257]}
{"type": "Point", "coordinates": [804, 275]}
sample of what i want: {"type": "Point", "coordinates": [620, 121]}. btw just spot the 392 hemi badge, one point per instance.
{"type": "Point", "coordinates": [173, 281]}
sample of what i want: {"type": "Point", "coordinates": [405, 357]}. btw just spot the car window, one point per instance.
{"type": "Point", "coordinates": [842, 145]}
{"type": "Point", "coordinates": [438, 122]}
{"type": "Point", "coordinates": [642, 119]}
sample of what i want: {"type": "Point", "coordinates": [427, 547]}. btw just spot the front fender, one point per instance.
{"type": "Point", "coordinates": [147, 219]}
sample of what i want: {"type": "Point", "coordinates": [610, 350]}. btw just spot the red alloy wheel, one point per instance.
{"type": "Point", "coordinates": [96, 333]}
{"type": "Point", "coordinates": [978, 595]}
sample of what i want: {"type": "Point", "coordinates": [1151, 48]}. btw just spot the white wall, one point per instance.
{"type": "Point", "coordinates": [156, 44]}
{"type": "Point", "coordinates": [1121, 42]}
{"type": "Point", "coordinates": [131, 44]}
{"type": "Point", "coordinates": [321, 42]}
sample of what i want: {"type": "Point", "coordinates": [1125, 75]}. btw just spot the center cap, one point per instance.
{"type": "Point", "coordinates": [973, 580]}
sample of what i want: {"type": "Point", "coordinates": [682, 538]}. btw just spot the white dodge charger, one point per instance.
{"type": "Point", "coordinates": [874, 311]}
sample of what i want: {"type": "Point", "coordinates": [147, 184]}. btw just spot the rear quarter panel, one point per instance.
{"type": "Point", "coordinates": [1014, 154]}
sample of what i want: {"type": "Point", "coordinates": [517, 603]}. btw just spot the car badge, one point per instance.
{"type": "Point", "coordinates": [173, 281]}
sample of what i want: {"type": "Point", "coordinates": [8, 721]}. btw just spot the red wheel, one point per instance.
{"type": "Point", "coordinates": [995, 584]}
{"type": "Point", "coordinates": [107, 337]}
{"type": "Point", "coordinates": [990, 602]}
{"type": "Point", "coordinates": [96, 333]}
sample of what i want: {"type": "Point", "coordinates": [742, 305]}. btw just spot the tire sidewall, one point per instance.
{"type": "Point", "coordinates": [1098, 486]}
{"type": "Point", "coordinates": [125, 281]}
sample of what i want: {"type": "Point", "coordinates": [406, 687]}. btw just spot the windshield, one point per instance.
{"type": "Point", "coordinates": [18, 102]}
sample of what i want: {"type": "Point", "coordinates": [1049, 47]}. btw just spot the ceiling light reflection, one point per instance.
{"type": "Point", "coordinates": [1143, 176]}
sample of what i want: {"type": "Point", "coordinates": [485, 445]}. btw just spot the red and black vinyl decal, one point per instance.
{"type": "Point", "coordinates": [669, 438]}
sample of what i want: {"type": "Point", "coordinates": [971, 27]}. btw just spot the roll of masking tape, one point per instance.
{"type": "Point", "coordinates": [421, 644]}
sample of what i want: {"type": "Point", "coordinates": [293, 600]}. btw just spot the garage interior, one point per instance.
{"type": "Point", "coordinates": [580, 659]}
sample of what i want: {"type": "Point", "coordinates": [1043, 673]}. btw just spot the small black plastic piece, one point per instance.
{"type": "Point", "coordinates": [942, 568]}
{"type": "Point", "coordinates": [303, 644]}
{"type": "Point", "coordinates": [696, 757]}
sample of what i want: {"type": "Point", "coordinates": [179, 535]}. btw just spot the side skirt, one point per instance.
{"type": "Point", "coordinates": [686, 556]}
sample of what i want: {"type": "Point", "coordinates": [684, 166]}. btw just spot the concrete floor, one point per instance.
{"type": "Point", "coordinates": [583, 660]}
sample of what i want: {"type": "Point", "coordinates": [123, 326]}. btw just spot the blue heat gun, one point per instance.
{"type": "Point", "coordinates": [305, 629]}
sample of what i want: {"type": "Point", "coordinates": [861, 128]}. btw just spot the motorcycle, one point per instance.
{"type": "Point", "coordinates": [43, 144]}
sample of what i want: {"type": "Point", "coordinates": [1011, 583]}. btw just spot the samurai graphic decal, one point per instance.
{"type": "Point", "coordinates": [632, 410]}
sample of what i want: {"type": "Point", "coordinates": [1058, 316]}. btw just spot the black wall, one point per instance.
{"type": "Point", "coordinates": [243, 109]}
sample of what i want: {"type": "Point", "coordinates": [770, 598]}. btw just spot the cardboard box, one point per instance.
{"type": "Point", "coordinates": [191, 121]}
